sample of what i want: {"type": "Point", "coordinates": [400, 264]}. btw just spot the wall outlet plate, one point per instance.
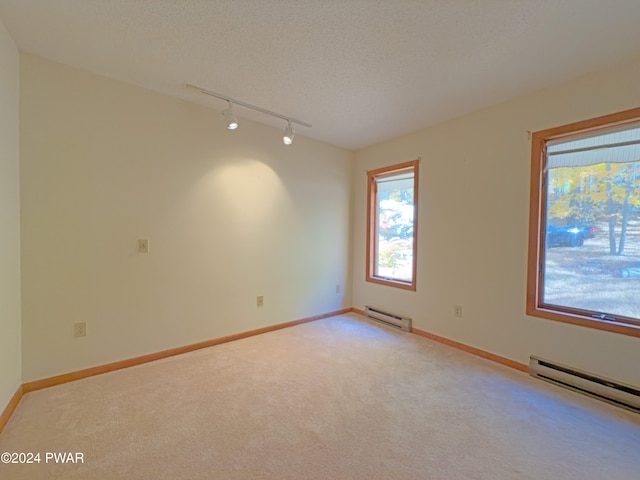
{"type": "Point", "coordinates": [80, 329]}
{"type": "Point", "coordinates": [143, 245]}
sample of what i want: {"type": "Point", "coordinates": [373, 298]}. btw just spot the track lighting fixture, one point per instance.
{"type": "Point", "coordinates": [232, 121]}
{"type": "Point", "coordinates": [287, 139]}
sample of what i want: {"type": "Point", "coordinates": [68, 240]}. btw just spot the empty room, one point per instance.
{"type": "Point", "coordinates": [319, 239]}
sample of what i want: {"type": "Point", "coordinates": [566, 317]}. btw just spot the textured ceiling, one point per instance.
{"type": "Point", "coordinates": [361, 71]}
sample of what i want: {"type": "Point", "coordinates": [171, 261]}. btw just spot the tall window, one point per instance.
{"type": "Point", "coordinates": [584, 244]}
{"type": "Point", "coordinates": [392, 225]}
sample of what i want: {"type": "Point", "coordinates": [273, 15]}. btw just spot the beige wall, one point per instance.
{"type": "Point", "coordinates": [10, 336]}
{"type": "Point", "coordinates": [228, 215]}
{"type": "Point", "coordinates": [473, 228]}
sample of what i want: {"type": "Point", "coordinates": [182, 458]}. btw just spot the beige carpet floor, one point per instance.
{"type": "Point", "coordinates": [340, 398]}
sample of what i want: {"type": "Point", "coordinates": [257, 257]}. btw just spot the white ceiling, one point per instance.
{"type": "Point", "coordinates": [361, 71]}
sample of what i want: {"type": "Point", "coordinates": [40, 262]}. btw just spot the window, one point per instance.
{"type": "Point", "coordinates": [584, 237]}
{"type": "Point", "coordinates": [392, 225]}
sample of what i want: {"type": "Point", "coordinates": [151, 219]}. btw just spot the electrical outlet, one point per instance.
{"type": "Point", "coordinates": [457, 311]}
{"type": "Point", "coordinates": [260, 301]}
{"type": "Point", "coordinates": [80, 329]}
{"type": "Point", "coordinates": [143, 245]}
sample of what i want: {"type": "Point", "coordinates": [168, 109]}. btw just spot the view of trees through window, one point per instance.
{"type": "Point", "coordinates": [592, 242]}
{"type": "Point", "coordinates": [392, 207]}
{"type": "Point", "coordinates": [395, 227]}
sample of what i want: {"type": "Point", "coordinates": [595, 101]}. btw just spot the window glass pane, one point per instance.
{"type": "Point", "coordinates": [394, 244]}
{"type": "Point", "coordinates": [592, 238]}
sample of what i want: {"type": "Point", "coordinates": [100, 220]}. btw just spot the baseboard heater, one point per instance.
{"type": "Point", "coordinates": [388, 318]}
{"type": "Point", "coordinates": [590, 384]}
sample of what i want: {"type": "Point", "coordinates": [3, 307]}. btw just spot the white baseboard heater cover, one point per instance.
{"type": "Point", "coordinates": [388, 318]}
{"type": "Point", "coordinates": [590, 384]}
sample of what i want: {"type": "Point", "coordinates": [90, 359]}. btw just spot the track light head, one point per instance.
{"type": "Point", "coordinates": [232, 120]}
{"type": "Point", "coordinates": [287, 139]}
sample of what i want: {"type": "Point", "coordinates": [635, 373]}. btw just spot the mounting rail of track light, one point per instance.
{"type": "Point", "coordinates": [232, 121]}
